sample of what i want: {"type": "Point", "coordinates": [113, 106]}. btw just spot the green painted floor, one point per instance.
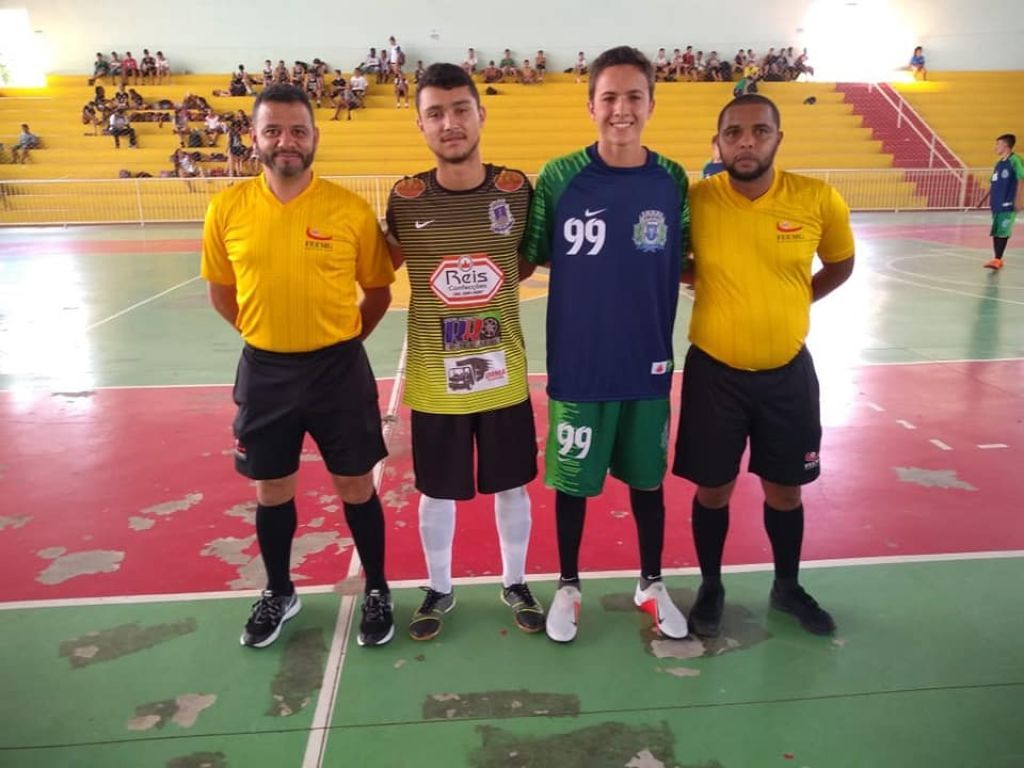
{"type": "Point", "coordinates": [927, 669]}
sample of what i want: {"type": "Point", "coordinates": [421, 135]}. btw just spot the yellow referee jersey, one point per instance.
{"type": "Point", "coordinates": [295, 265]}
{"type": "Point", "coordinates": [752, 265]}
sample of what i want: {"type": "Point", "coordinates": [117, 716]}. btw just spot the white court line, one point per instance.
{"type": "Point", "coordinates": [948, 290]}
{"type": "Point", "coordinates": [942, 254]}
{"type": "Point", "coordinates": [874, 407]}
{"type": "Point", "coordinates": [905, 424]}
{"type": "Point", "coordinates": [989, 446]}
{"type": "Point", "coordinates": [323, 589]}
{"type": "Point", "coordinates": [316, 744]}
{"type": "Point", "coordinates": [939, 444]}
{"type": "Point", "coordinates": [138, 304]}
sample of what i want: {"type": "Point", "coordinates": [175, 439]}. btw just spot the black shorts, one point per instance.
{"type": "Point", "coordinates": [442, 451]}
{"type": "Point", "coordinates": [722, 407]}
{"type": "Point", "coordinates": [330, 393]}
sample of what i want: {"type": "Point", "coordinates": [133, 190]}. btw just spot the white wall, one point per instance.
{"type": "Point", "coordinates": [217, 35]}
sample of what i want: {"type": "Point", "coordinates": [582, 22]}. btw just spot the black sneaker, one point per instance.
{"type": "Point", "coordinates": [269, 613]}
{"type": "Point", "coordinates": [427, 621]}
{"type": "Point", "coordinates": [706, 613]}
{"type": "Point", "coordinates": [526, 610]}
{"type": "Point", "coordinates": [796, 601]}
{"type": "Point", "coordinates": [378, 624]}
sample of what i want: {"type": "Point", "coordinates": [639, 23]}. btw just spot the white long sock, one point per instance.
{"type": "Point", "coordinates": [437, 529]}
{"type": "Point", "coordinates": [512, 516]}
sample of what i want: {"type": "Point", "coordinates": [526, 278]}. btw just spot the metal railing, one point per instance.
{"type": "Point", "coordinates": [153, 200]}
{"type": "Point", "coordinates": [905, 113]}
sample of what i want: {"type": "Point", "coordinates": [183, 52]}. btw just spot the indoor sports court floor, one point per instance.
{"type": "Point", "coordinates": [129, 557]}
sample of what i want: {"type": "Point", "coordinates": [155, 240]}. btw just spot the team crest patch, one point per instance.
{"type": "Point", "coordinates": [410, 188]}
{"type": "Point", "coordinates": [509, 181]}
{"type": "Point", "coordinates": [501, 217]}
{"type": "Point", "coordinates": [650, 233]}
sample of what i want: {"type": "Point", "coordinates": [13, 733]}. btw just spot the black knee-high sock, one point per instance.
{"type": "Point", "coordinates": [570, 511]}
{"type": "Point", "coordinates": [786, 532]}
{"type": "Point", "coordinates": [710, 527]}
{"type": "Point", "coordinates": [649, 513]}
{"type": "Point", "coordinates": [999, 246]}
{"type": "Point", "coordinates": [275, 529]}
{"type": "Point", "coordinates": [366, 521]}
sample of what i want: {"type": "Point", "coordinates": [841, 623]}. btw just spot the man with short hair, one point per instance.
{"type": "Point", "coordinates": [466, 380]}
{"type": "Point", "coordinates": [129, 68]}
{"type": "Point", "coordinates": [283, 255]}
{"type": "Point", "coordinates": [119, 126]}
{"type": "Point", "coordinates": [1005, 195]}
{"type": "Point", "coordinates": [748, 375]}
{"type": "Point", "coordinates": [611, 220]}
{"type": "Point", "coordinates": [508, 65]}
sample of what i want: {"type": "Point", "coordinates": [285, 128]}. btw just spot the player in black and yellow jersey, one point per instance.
{"type": "Point", "coordinates": [754, 233]}
{"type": "Point", "coordinates": [283, 254]}
{"type": "Point", "coordinates": [458, 228]}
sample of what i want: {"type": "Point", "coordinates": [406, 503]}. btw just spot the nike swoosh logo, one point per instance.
{"type": "Point", "coordinates": [422, 224]}
{"type": "Point", "coordinates": [589, 212]}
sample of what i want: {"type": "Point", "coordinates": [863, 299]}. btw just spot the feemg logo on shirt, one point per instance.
{"type": "Point", "coordinates": [650, 233]}
{"type": "Point", "coordinates": [317, 239]}
{"type": "Point", "coordinates": [788, 231]}
{"type": "Point", "coordinates": [466, 280]}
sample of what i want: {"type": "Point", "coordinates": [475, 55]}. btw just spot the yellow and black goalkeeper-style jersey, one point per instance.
{"type": "Point", "coordinates": [295, 265]}
{"type": "Point", "coordinates": [465, 349]}
{"type": "Point", "coordinates": [752, 265]}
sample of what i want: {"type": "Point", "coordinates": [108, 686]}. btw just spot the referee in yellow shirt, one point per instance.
{"type": "Point", "coordinates": [283, 254]}
{"type": "Point", "coordinates": [748, 376]}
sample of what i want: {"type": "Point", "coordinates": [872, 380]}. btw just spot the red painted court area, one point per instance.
{"type": "Point", "coordinates": [132, 491]}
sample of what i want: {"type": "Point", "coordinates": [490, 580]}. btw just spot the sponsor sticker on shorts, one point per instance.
{"type": "Point", "coordinates": [469, 373]}
{"type": "Point", "coordinates": [661, 367]}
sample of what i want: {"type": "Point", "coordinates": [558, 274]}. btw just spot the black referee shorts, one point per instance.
{"type": "Point", "coordinates": [442, 451]}
{"type": "Point", "coordinates": [777, 409]}
{"type": "Point", "coordinates": [330, 393]}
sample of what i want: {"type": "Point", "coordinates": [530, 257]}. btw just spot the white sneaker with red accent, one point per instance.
{"type": "Point", "coordinates": [655, 600]}
{"type": "Point", "coordinates": [564, 614]}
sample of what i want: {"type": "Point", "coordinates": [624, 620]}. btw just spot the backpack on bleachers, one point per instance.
{"type": "Point", "coordinates": [195, 138]}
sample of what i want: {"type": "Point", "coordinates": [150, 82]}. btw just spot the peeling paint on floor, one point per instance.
{"type": "Point", "coordinates": [300, 673]}
{"type": "Point", "coordinates": [107, 644]}
{"type": "Point", "coordinates": [680, 671]}
{"type": "Point", "coordinates": [199, 760]}
{"type": "Point", "coordinates": [14, 522]}
{"type": "Point", "coordinates": [175, 505]}
{"type": "Point", "coordinates": [608, 745]}
{"type": "Point", "coordinates": [246, 511]}
{"type": "Point", "coordinates": [65, 567]}
{"type": "Point", "coordinates": [932, 478]}
{"type": "Point", "coordinates": [183, 711]}
{"type": "Point", "coordinates": [141, 523]}
{"type": "Point", "coordinates": [492, 704]}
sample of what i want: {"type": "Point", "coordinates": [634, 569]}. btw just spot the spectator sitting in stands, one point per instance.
{"type": "Point", "coordinates": [401, 89]}
{"type": "Point", "coordinates": [268, 73]}
{"type": "Point", "coordinates": [213, 127]}
{"type": "Point", "coordinates": [129, 68]}
{"type": "Point", "coordinates": [418, 72]}
{"type": "Point", "coordinates": [163, 67]}
{"type": "Point", "coordinates": [121, 97]}
{"type": "Point", "coordinates": [689, 63]}
{"type": "Point", "coordinates": [713, 67]}
{"type": "Point", "coordinates": [281, 72]}
{"type": "Point", "coordinates": [699, 66]}
{"type": "Point", "coordinates": [315, 83]}
{"type": "Point", "coordinates": [676, 65]}
{"type": "Point", "coordinates": [747, 84]}
{"type": "Point", "coordinates": [119, 126]}
{"type": "Point", "coordinates": [917, 65]}
{"type": "Point", "coordinates": [802, 67]}
{"type": "Point", "coordinates": [237, 151]}
{"type": "Point", "coordinates": [580, 67]}
{"type": "Point", "coordinates": [26, 141]}
{"type": "Point", "coordinates": [508, 65]}
{"type": "Point", "coordinates": [91, 117]}
{"type": "Point", "coordinates": [185, 166]}
{"type": "Point", "coordinates": [181, 124]}
{"type": "Point", "coordinates": [241, 81]}
{"type": "Point", "coordinates": [491, 73]}
{"type": "Point", "coordinates": [359, 85]}
{"type": "Point", "coordinates": [540, 63]}
{"type": "Point", "coordinates": [527, 75]}
{"type": "Point", "coordinates": [470, 64]}
{"type": "Point", "coordinates": [383, 66]}
{"type": "Point", "coordinates": [298, 77]}
{"type": "Point", "coordinates": [240, 118]}
{"type": "Point", "coordinates": [100, 68]}
{"type": "Point", "coordinates": [147, 67]}
{"type": "Point", "coordinates": [346, 99]}
{"type": "Point", "coordinates": [662, 65]}
{"type": "Point", "coordinates": [135, 101]}
{"type": "Point", "coordinates": [371, 63]}
{"type": "Point", "coordinates": [116, 68]}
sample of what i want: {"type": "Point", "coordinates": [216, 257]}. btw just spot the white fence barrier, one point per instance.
{"type": "Point", "coordinates": [151, 201]}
